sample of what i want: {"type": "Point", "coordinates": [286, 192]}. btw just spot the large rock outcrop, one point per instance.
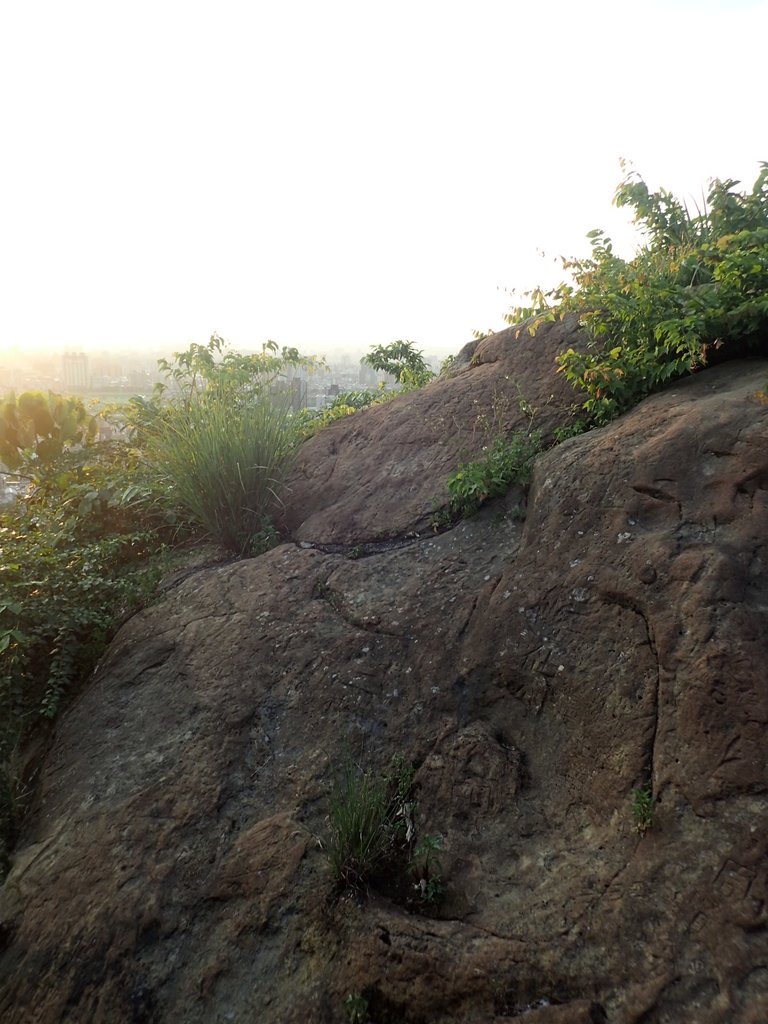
{"type": "Point", "coordinates": [381, 475]}
{"type": "Point", "coordinates": [535, 672]}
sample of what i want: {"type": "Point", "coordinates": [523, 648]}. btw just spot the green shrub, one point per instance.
{"type": "Point", "coordinates": [373, 841]}
{"type": "Point", "coordinates": [310, 421]}
{"type": "Point", "coordinates": [37, 428]}
{"type": "Point", "coordinates": [218, 437]}
{"type": "Point", "coordinates": [447, 365]}
{"type": "Point", "coordinates": [214, 366]}
{"type": "Point", "coordinates": [506, 460]}
{"type": "Point", "coordinates": [427, 872]}
{"type": "Point", "coordinates": [356, 1008]}
{"type": "Point", "coordinates": [401, 360]}
{"type": "Point", "coordinates": [698, 288]}
{"type": "Point", "coordinates": [359, 399]}
{"type": "Point", "coordinates": [560, 434]}
{"type": "Point", "coordinates": [79, 551]}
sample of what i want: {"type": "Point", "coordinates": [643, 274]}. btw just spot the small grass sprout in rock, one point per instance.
{"type": "Point", "coordinates": [356, 1008]}
{"type": "Point", "coordinates": [427, 871]}
{"type": "Point", "coordinates": [643, 808]}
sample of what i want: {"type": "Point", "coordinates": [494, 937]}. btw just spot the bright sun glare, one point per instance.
{"type": "Point", "coordinates": [341, 174]}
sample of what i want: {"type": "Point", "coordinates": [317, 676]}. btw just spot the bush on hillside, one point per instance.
{"type": "Point", "coordinates": [220, 467]}
{"type": "Point", "coordinates": [76, 551]}
{"type": "Point", "coordinates": [81, 546]}
{"type": "Point", "coordinates": [696, 292]}
{"type": "Point", "coordinates": [403, 361]}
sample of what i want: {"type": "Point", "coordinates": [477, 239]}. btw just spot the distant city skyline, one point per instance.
{"type": "Point", "coordinates": [129, 372]}
{"type": "Point", "coordinates": [152, 354]}
{"type": "Point", "coordinates": [165, 351]}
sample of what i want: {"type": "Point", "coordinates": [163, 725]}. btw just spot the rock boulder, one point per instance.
{"type": "Point", "coordinates": [536, 674]}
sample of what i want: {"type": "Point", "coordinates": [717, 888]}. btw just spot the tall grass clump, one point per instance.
{"type": "Point", "coordinates": [370, 820]}
{"type": "Point", "coordinates": [360, 836]}
{"type": "Point", "coordinates": [218, 436]}
{"type": "Point", "coordinates": [220, 462]}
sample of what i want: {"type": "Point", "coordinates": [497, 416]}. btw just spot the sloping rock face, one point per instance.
{"type": "Point", "coordinates": [535, 674]}
{"type": "Point", "coordinates": [383, 473]}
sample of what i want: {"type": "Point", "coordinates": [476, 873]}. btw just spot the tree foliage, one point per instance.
{"type": "Point", "coordinates": [36, 428]}
{"type": "Point", "coordinates": [214, 367]}
{"type": "Point", "coordinates": [402, 361]}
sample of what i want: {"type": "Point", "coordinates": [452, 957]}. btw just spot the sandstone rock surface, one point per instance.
{"type": "Point", "coordinates": [382, 473]}
{"type": "Point", "coordinates": [535, 673]}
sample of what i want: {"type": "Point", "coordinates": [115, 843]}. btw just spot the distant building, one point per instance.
{"type": "Point", "coordinates": [75, 370]}
{"type": "Point", "coordinates": [7, 376]}
{"type": "Point", "coordinates": [139, 380]}
{"type": "Point", "coordinates": [292, 392]}
{"type": "Point", "coordinates": [298, 394]}
{"type": "Point", "coordinates": [367, 377]}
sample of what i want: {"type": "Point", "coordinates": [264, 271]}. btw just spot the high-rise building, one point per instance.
{"type": "Point", "coordinates": [75, 368]}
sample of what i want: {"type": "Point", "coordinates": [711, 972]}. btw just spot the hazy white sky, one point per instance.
{"type": "Point", "coordinates": [342, 173]}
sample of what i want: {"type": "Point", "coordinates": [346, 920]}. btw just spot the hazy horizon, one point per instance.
{"type": "Point", "coordinates": [166, 351]}
{"type": "Point", "coordinates": [342, 175]}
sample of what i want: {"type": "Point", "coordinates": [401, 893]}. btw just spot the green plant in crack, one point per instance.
{"type": "Point", "coordinates": [505, 461]}
{"type": "Point", "coordinates": [426, 870]}
{"type": "Point", "coordinates": [322, 591]}
{"type": "Point", "coordinates": [370, 820]}
{"type": "Point", "coordinates": [643, 808]}
{"type": "Point", "coordinates": [564, 433]}
{"type": "Point", "coordinates": [356, 1008]}
{"type": "Point", "coordinates": [441, 519]}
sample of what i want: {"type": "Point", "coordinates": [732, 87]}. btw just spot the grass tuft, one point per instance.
{"type": "Point", "coordinates": [222, 462]}
{"type": "Point", "coordinates": [369, 819]}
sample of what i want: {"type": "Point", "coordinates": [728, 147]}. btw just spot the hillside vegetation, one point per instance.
{"type": "Point", "coordinates": [695, 293]}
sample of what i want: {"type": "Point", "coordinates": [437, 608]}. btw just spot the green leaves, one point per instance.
{"type": "Point", "coordinates": [506, 460]}
{"type": "Point", "coordinates": [241, 377]}
{"type": "Point", "coordinates": [403, 361]}
{"type": "Point", "coordinates": [9, 636]}
{"type": "Point", "coordinates": [75, 556]}
{"type": "Point", "coordinates": [36, 428]}
{"type": "Point", "coordinates": [700, 285]}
